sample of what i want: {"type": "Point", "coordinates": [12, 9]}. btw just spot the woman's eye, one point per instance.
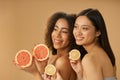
{"type": "Point", "coordinates": [65, 31]}
{"type": "Point", "coordinates": [85, 28]}
{"type": "Point", "coordinates": [75, 26]}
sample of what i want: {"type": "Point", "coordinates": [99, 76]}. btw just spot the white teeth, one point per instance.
{"type": "Point", "coordinates": [79, 38]}
{"type": "Point", "coordinates": [57, 41]}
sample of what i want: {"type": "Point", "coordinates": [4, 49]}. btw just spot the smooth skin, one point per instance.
{"type": "Point", "coordinates": [60, 38]}
{"type": "Point", "coordinates": [95, 65]}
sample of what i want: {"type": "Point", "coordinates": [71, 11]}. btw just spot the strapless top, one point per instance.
{"type": "Point", "coordinates": [110, 78]}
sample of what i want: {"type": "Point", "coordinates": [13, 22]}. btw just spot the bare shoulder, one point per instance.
{"type": "Point", "coordinates": [62, 61]}
{"type": "Point", "coordinates": [91, 65]}
{"type": "Point", "coordinates": [94, 58]}
{"type": "Point", "coordinates": [89, 59]}
{"type": "Point", "coordinates": [65, 69]}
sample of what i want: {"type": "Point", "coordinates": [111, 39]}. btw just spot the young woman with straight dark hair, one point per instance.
{"type": "Point", "coordinates": [90, 33]}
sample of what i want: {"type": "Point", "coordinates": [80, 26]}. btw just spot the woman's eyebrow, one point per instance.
{"type": "Point", "coordinates": [85, 25]}
{"type": "Point", "coordinates": [56, 26]}
{"type": "Point", "coordinates": [61, 27]}
{"type": "Point", "coordinates": [65, 28]}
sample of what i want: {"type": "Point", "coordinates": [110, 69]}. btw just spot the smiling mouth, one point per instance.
{"type": "Point", "coordinates": [57, 41]}
{"type": "Point", "coordinates": [79, 38]}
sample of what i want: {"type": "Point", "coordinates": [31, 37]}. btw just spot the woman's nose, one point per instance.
{"type": "Point", "coordinates": [58, 34]}
{"type": "Point", "coordinates": [78, 31]}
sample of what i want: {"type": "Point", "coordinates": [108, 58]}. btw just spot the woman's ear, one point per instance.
{"type": "Point", "coordinates": [98, 33]}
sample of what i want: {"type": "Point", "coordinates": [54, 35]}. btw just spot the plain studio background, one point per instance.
{"type": "Point", "coordinates": [23, 23]}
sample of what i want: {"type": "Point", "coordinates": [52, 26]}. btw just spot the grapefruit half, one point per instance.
{"type": "Point", "coordinates": [23, 58]}
{"type": "Point", "coordinates": [50, 69]}
{"type": "Point", "coordinates": [41, 52]}
{"type": "Point", "coordinates": [74, 54]}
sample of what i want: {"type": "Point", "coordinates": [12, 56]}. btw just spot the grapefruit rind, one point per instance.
{"type": "Point", "coordinates": [50, 69]}
{"type": "Point", "coordinates": [16, 58]}
{"type": "Point", "coordinates": [34, 53]}
{"type": "Point", "coordinates": [74, 54]}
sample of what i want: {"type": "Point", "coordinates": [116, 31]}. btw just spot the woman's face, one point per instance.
{"type": "Point", "coordinates": [60, 34]}
{"type": "Point", "coordinates": [84, 31]}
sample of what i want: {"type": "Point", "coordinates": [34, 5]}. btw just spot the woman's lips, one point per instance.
{"type": "Point", "coordinates": [57, 41]}
{"type": "Point", "coordinates": [79, 38]}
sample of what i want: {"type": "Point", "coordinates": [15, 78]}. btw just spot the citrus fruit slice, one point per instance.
{"type": "Point", "coordinates": [50, 69]}
{"type": "Point", "coordinates": [74, 54]}
{"type": "Point", "coordinates": [23, 58]}
{"type": "Point", "coordinates": [41, 52]}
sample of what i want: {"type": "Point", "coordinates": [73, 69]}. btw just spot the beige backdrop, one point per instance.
{"type": "Point", "coordinates": [23, 23]}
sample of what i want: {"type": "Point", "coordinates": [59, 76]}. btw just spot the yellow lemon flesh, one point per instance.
{"type": "Point", "coordinates": [50, 69]}
{"type": "Point", "coordinates": [74, 54]}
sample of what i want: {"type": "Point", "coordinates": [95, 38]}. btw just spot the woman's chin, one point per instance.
{"type": "Point", "coordinates": [79, 43]}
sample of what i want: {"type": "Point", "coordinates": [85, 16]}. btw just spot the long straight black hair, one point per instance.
{"type": "Point", "coordinates": [97, 20]}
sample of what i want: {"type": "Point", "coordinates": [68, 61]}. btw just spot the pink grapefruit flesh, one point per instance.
{"type": "Point", "coordinates": [23, 58]}
{"type": "Point", "coordinates": [41, 52]}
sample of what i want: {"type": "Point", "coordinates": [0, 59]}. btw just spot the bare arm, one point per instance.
{"type": "Point", "coordinates": [65, 69]}
{"type": "Point", "coordinates": [76, 65]}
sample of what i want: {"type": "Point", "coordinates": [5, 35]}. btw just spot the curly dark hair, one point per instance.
{"type": "Point", "coordinates": [70, 18]}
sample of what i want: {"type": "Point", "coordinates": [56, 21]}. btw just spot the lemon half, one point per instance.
{"type": "Point", "coordinates": [74, 54]}
{"type": "Point", "coordinates": [50, 69]}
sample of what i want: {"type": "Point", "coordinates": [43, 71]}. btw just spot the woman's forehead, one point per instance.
{"type": "Point", "coordinates": [62, 23]}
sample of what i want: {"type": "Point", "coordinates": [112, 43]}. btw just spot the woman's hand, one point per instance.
{"type": "Point", "coordinates": [41, 65]}
{"type": "Point", "coordinates": [77, 67]}
{"type": "Point", "coordinates": [31, 69]}
{"type": "Point", "coordinates": [57, 76]}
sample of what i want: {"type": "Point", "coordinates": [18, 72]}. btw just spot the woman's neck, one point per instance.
{"type": "Point", "coordinates": [89, 48]}
{"type": "Point", "coordinates": [62, 52]}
